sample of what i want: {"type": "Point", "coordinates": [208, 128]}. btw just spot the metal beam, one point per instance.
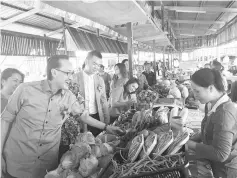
{"type": "Point", "coordinates": [20, 16]}
{"type": "Point", "coordinates": [197, 9]}
{"type": "Point", "coordinates": [76, 25]}
{"type": "Point", "coordinates": [198, 22]}
{"type": "Point", "coordinates": [149, 38]}
{"type": "Point", "coordinates": [130, 47]}
{"type": "Point", "coordinates": [196, 30]}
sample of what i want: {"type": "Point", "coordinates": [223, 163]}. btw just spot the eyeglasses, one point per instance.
{"type": "Point", "coordinates": [96, 64]}
{"type": "Point", "coordinates": [67, 73]}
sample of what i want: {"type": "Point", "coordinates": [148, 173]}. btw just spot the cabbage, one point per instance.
{"type": "Point", "coordinates": [86, 137]}
{"type": "Point", "coordinates": [175, 92]}
{"type": "Point", "coordinates": [97, 141]}
{"type": "Point", "coordinates": [88, 166]}
{"type": "Point", "coordinates": [68, 160]}
{"type": "Point", "coordinates": [161, 115]}
{"type": "Point", "coordinates": [80, 150]}
{"type": "Point", "coordinates": [55, 173]}
{"type": "Point", "coordinates": [95, 150]}
{"type": "Point", "coordinates": [166, 82]}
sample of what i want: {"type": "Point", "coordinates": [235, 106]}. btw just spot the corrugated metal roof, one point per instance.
{"type": "Point", "coordinates": [19, 3]}
{"type": "Point", "coordinates": [8, 12]}
{"type": "Point", "coordinates": [41, 22]}
{"type": "Point", "coordinates": [19, 44]}
{"type": "Point", "coordinates": [87, 41]}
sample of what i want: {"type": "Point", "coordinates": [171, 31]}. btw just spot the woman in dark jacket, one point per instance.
{"type": "Point", "coordinates": [217, 141]}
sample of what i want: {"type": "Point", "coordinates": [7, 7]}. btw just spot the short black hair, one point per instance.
{"type": "Point", "coordinates": [122, 69]}
{"type": "Point", "coordinates": [147, 63]}
{"type": "Point", "coordinates": [53, 62]}
{"type": "Point", "coordinates": [125, 60]}
{"type": "Point", "coordinates": [206, 77]}
{"type": "Point", "coordinates": [217, 65]}
{"type": "Point", "coordinates": [94, 53]}
{"type": "Point", "coordinates": [8, 72]}
{"type": "Point", "coordinates": [102, 66]}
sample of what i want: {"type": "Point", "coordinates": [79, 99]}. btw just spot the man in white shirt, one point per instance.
{"type": "Point", "coordinates": [92, 88]}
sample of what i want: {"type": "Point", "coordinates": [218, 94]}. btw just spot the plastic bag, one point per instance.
{"type": "Point", "coordinates": [162, 115]}
{"type": "Point", "coordinates": [204, 169]}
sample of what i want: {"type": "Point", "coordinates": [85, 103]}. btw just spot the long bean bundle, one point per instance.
{"type": "Point", "coordinates": [146, 165]}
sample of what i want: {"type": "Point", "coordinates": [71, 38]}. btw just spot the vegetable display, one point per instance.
{"type": "Point", "coordinates": [147, 96]}
{"type": "Point", "coordinates": [135, 148]}
{"type": "Point", "coordinates": [162, 89]}
{"type": "Point", "coordinates": [84, 158]}
{"type": "Point", "coordinates": [146, 165]}
{"type": "Point", "coordinates": [150, 142]}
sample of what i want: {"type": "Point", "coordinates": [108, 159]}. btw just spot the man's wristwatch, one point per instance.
{"type": "Point", "coordinates": [105, 128]}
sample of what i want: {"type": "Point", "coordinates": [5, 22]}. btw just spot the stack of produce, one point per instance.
{"type": "Point", "coordinates": [178, 142]}
{"type": "Point", "coordinates": [147, 165]}
{"type": "Point", "coordinates": [125, 119]}
{"type": "Point", "coordinates": [164, 140]}
{"type": "Point", "coordinates": [84, 158]}
{"type": "Point", "coordinates": [162, 89]}
{"type": "Point", "coordinates": [161, 115]}
{"type": "Point", "coordinates": [150, 150]}
{"type": "Point", "coordinates": [146, 98]}
{"type": "Point", "coordinates": [174, 92]}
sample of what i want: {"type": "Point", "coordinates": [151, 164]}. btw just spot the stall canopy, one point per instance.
{"type": "Point", "coordinates": [20, 44]}
{"type": "Point", "coordinates": [87, 41]}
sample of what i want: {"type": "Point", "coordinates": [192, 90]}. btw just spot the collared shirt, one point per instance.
{"type": "Point", "coordinates": [37, 115]}
{"type": "Point", "coordinates": [222, 100]}
{"type": "Point", "coordinates": [90, 102]}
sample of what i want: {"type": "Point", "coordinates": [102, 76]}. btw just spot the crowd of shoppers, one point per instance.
{"type": "Point", "coordinates": [38, 117]}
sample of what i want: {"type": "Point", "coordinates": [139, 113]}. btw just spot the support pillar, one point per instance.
{"type": "Point", "coordinates": [154, 58]}
{"type": "Point", "coordinates": [130, 47]}
{"type": "Point", "coordinates": [164, 63]}
{"type": "Point", "coordinates": [46, 47]}
{"type": "Point", "coordinates": [64, 36]}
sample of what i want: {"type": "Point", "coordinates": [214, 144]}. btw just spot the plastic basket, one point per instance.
{"type": "Point", "coordinates": [177, 172]}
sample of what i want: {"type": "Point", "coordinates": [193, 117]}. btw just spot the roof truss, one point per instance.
{"type": "Point", "coordinates": [198, 22]}
{"type": "Point", "coordinates": [35, 10]}
{"type": "Point", "coordinates": [198, 9]}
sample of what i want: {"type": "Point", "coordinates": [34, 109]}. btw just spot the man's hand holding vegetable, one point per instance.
{"type": "Point", "coordinates": [87, 119]}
